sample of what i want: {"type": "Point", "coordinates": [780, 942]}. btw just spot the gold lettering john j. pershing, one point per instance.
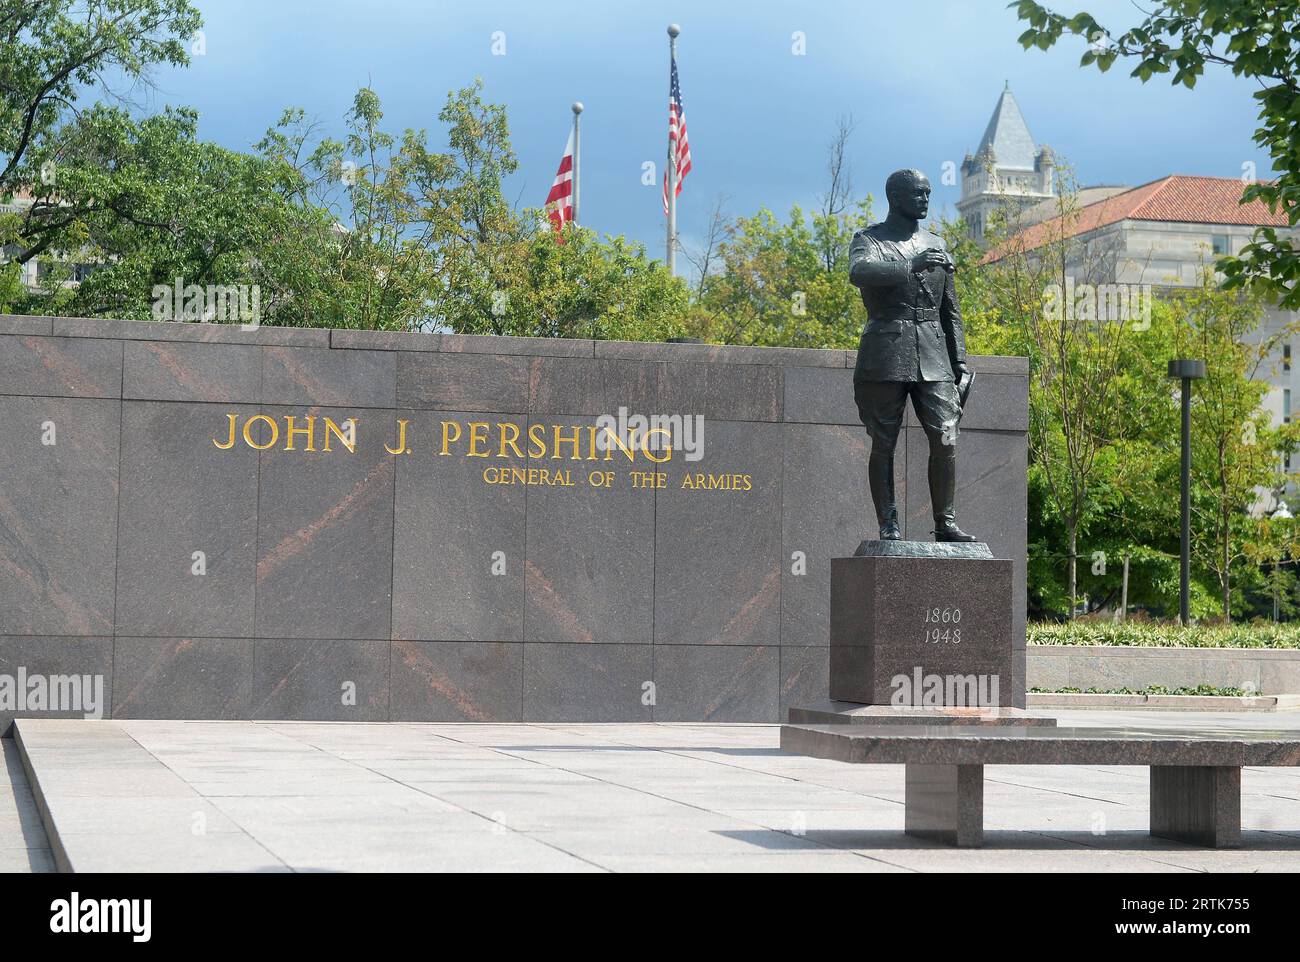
{"type": "Point", "coordinates": [469, 439]}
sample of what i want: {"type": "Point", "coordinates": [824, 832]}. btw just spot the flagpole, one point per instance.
{"type": "Point", "coordinates": [673, 31]}
{"type": "Point", "coordinates": [577, 153]}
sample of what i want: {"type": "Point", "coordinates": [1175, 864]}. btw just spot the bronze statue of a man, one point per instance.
{"type": "Point", "coordinates": [913, 346]}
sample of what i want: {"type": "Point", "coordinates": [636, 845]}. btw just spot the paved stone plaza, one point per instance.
{"type": "Point", "coordinates": [304, 796]}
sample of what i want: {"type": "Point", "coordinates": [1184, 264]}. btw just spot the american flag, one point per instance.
{"type": "Point", "coordinates": [559, 202]}
{"type": "Point", "coordinates": [681, 149]}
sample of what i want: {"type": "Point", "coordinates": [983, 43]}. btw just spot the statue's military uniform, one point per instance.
{"type": "Point", "coordinates": [913, 345]}
{"type": "Point", "coordinates": [913, 331]}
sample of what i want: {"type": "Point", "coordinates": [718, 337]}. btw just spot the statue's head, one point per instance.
{"type": "Point", "coordinates": [908, 192]}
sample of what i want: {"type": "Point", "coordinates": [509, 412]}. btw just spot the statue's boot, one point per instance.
{"type": "Point", "coordinates": [943, 492]}
{"type": "Point", "coordinates": [880, 473]}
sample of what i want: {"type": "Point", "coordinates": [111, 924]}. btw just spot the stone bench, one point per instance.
{"type": "Point", "coordinates": [1195, 775]}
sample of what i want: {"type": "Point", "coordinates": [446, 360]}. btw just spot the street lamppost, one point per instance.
{"type": "Point", "coordinates": [1281, 514]}
{"type": "Point", "coordinates": [1187, 371]}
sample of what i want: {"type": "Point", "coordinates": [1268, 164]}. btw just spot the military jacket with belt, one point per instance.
{"type": "Point", "coordinates": [913, 330]}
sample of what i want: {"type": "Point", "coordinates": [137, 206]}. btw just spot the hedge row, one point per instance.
{"type": "Point", "coordinates": [1148, 690]}
{"type": "Point", "coordinates": [1148, 634]}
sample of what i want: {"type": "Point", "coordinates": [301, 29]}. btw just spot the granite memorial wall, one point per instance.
{"type": "Point", "coordinates": [312, 524]}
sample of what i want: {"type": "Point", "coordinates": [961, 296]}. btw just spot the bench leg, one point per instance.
{"type": "Point", "coordinates": [945, 802]}
{"type": "Point", "coordinates": [1200, 804]}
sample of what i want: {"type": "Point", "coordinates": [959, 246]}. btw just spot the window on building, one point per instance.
{"type": "Point", "coordinates": [1286, 405]}
{"type": "Point", "coordinates": [1219, 244]}
{"type": "Point", "coordinates": [1286, 357]}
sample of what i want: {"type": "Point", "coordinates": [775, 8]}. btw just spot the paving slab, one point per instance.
{"type": "Point", "coordinates": [787, 861]}
{"type": "Point", "coordinates": [23, 843]}
{"type": "Point", "coordinates": [143, 795]}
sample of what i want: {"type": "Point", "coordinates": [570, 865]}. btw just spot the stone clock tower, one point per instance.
{"type": "Point", "coordinates": [1006, 168]}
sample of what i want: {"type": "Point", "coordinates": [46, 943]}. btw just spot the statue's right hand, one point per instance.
{"type": "Point", "coordinates": [930, 259]}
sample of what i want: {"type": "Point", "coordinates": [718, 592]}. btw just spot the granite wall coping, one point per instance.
{"type": "Point", "coordinates": [446, 343]}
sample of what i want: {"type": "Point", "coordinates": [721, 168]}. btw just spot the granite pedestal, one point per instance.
{"type": "Point", "coordinates": [922, 624]}
{"type": "Point", "coordinates": [1195, 774]}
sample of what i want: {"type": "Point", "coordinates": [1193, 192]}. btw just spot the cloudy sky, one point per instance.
{"type": "Point", "coordinates": [919, 79]}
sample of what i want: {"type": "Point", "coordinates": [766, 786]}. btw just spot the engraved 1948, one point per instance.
{"type": "Point", "coordinates": [943, 626]}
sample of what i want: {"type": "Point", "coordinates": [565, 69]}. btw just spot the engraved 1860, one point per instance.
{"type": "Point", "coordinates": [943, 624]}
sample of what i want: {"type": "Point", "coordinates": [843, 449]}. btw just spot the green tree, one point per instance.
{"type": "Point", "coordinates": [1258, 39]}
{"type": "Point", "coordinates": [506, 272]}
{"type": "Point", "coordinates": [1236, 453]}
{"type": "Point", "coordinates": [1103, 473]}
{"type": "Point", "coordinates": [587, 286]}
{"type": "Point", "coordinates": [376, 266]}
{"type": "Point", "coordinates": [1097, 404]}
{"type": "Point", "coordinates": [142, 203]}
{"type": "Point", "coordinates": [1080, 362]}
{"type": "Point", "coordinates": [784, 283]}
{"type": "Point", "coordinates": [774, 282]}
{"type": "Point", "coordinates": [52, 51]}
{"type": "Point", "coordinates": [51, 54]}
{"type": "Point", "coordinates": [425, 239]}
{"type": "Point", "coordinates": [1272, 551]}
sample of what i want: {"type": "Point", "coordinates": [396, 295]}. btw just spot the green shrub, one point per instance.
{"type": "Point", "coordinates": [1147, 634]}
{"type": "Point", "coordinates": [1149, 690]}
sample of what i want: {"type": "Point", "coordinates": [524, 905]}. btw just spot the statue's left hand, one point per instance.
{"type": "Point", "coordinates": [963, 381]}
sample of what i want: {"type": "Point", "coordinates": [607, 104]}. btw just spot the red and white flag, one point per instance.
{"type": "Point", "coordinates": [681, 150]}
{"type": "Point", "coordinates": [559, 202]}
